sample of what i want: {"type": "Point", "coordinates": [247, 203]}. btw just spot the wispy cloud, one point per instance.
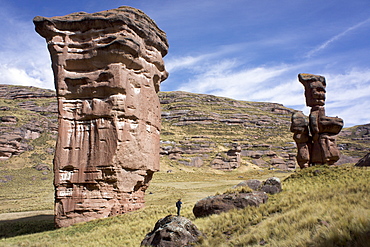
{"type": "Point", "coordinates": [348, 96]}
{"type": "Point", "coordinates": [279, 84]}
{"type": "Point", "coordinates": [335, 38]}
{"type": "Point", "coordinates": [191, 61]}
{"type": "Point", "coordinates": [184, 62]}
{"type": "Point", "coordinates": [354, 114]}
{"type": "Point", "coordinates": [222, 79]}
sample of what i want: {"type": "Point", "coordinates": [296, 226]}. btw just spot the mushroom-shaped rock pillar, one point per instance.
{"type": "Point", "coordinates": [107, 67]}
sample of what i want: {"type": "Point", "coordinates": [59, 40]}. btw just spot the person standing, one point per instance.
{"type": "Point", "coordinates": [178, 206]}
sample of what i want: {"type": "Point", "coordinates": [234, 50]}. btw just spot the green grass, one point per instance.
{"type": "Point", "coordinates": [25, 190]}
{"type": "Point", "coordinates": [319, 206]}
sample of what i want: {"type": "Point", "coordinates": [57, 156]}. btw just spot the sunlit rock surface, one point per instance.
{"type": "Point", "coordinates": [107, 67]}
{"type": "Point", "coordinates": [315, 137]}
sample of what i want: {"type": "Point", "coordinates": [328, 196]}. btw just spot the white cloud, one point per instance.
{"type": "Point", "coordinates": [192, 61]}
{"type": "Point", "coordinates": [183, 62]}
{"type": "Point", "coordinates": [354, 114]}
{"type": "Point", "coordinates": [348, 96]}
{"type": "Point", "coordinates": [24, 59]}
{"type": "Point", "coordinates": [347, 93]}
{"type": "Point", "coordinates": [17, 76]}
{"type": "Point", "coordinates": [221, 79]}
{"type": "Point", "coordinates": [335, 38]}
{"type": "Point", "coordinates": [31, 69]}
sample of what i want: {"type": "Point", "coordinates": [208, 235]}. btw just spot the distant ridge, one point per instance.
{"type": "Point", "coordinates": [197, 130]}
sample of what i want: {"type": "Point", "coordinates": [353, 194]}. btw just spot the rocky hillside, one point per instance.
{"type": "Point", "coordinates": [202, 129]}
{"type": "Point", "coordinates": [197, 130]}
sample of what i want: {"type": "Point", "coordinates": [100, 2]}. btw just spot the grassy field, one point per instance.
{"type": "Point", "coordinates": [320, 206]}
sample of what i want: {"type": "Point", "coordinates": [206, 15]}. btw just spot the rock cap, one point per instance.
{"type": "Point", "coordinates": [132, 17]}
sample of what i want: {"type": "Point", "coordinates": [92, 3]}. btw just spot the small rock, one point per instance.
{"type": "Point", "coordinates": [365, 161]}
{"type": "Point", "coordinates": [8, 119]}
{"type": "Point", "coordinates": [272, 186]}
{"type": "Point", "coordinates": [254, 184]}
{"type": "Point", "coordinates": [263, 242]}
{"type": "Point", "coordinates": [42, 167]}
{"type": "Point", "coordinates": [4, 108]}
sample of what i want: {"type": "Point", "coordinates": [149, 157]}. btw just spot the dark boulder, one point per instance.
{"type": "Point", "coordinates": [172, 231]}
{"type": "Point", "coordinates": [254, 184]}
{"type": "Point", "coordinates": [271, 186]}
{"type": "Point", "coordinates": [225, 202]}
{"type": "Point", "coordinates": [365, 161]}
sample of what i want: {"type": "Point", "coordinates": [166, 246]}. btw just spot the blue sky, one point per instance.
{"type": "Point", "coordinates": [241, 49]}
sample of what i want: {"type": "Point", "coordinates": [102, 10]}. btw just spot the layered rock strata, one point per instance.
{"type": "Point", "coordinates": [107, 67]}
{"type": "Point", "coordinates": [227, 162]}
{"type": "Point", "coordinates": [315, 138]}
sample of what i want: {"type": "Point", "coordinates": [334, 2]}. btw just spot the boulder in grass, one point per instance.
{"type": "Point", "coordinates": [253, 184]}
{"type": "Point", "coordinates": [225, 202]}
{"type": "Point", "coordinates": [365, 161]}
{"type": "Point", "coordinates": [172, 231]}
{"type": "Point", "coordinates": [271, 186]}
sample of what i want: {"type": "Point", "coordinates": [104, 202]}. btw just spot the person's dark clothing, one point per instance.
{"type": "Point", "coordinates": [178, 205]}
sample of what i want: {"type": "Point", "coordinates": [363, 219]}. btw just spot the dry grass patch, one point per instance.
{"type": "Point", "coordinates": [319, 206]}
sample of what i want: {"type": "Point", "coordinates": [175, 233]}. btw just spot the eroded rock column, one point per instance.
{"type": "Point", "coordinates": [107, 67]}
{"type": "Point", "coordinates": [315, 138]}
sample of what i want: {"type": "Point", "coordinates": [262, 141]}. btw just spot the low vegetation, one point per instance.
{"type": "Point", "coordinates": [319, 206]}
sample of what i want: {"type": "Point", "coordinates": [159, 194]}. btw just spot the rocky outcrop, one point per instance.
{"type": "Point", "coordinates": [108, 67]}
{"type": "Point", "coordinates": [14, 138]}
{"type": "Point", "coordinates": [355, 141]}
{"type": "Point", "coordinates": [365, 161]}
{"type": "Point", "coordinates": [315, 138]}
{"type": "Point", "coordinates": [254, 184]}
{"type": "Point", "coordinates": [36, 116]}
{"type": "Point", "coordinates": [270, 186]}
{"type": "Point", "coordinates": [172, 231]}
{"type": "Point", "coordinates": [225, 202]}
{"type": "Point", "coordinates": [21, 92]}
{"type": "Point", "coordinates": [11, 144]}
{"type": "Point", "coordinates": [230, 161]}
{"type": "Point", "coordinates": [15, 133]}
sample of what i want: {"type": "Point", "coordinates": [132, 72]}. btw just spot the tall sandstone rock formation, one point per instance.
{"type": "Point", "coordinates": [315, 138]}
{"type": "Point", "coordinates": [107, 67]}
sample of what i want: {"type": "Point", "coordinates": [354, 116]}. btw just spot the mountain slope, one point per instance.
{"type": "Point", "coordinates": [197, 130]}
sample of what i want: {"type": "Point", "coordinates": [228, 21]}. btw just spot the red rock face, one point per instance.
{"type": "Point", "coordinates": [315, 138]}
{"type": "Point", "coordinates": [107, 67]}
